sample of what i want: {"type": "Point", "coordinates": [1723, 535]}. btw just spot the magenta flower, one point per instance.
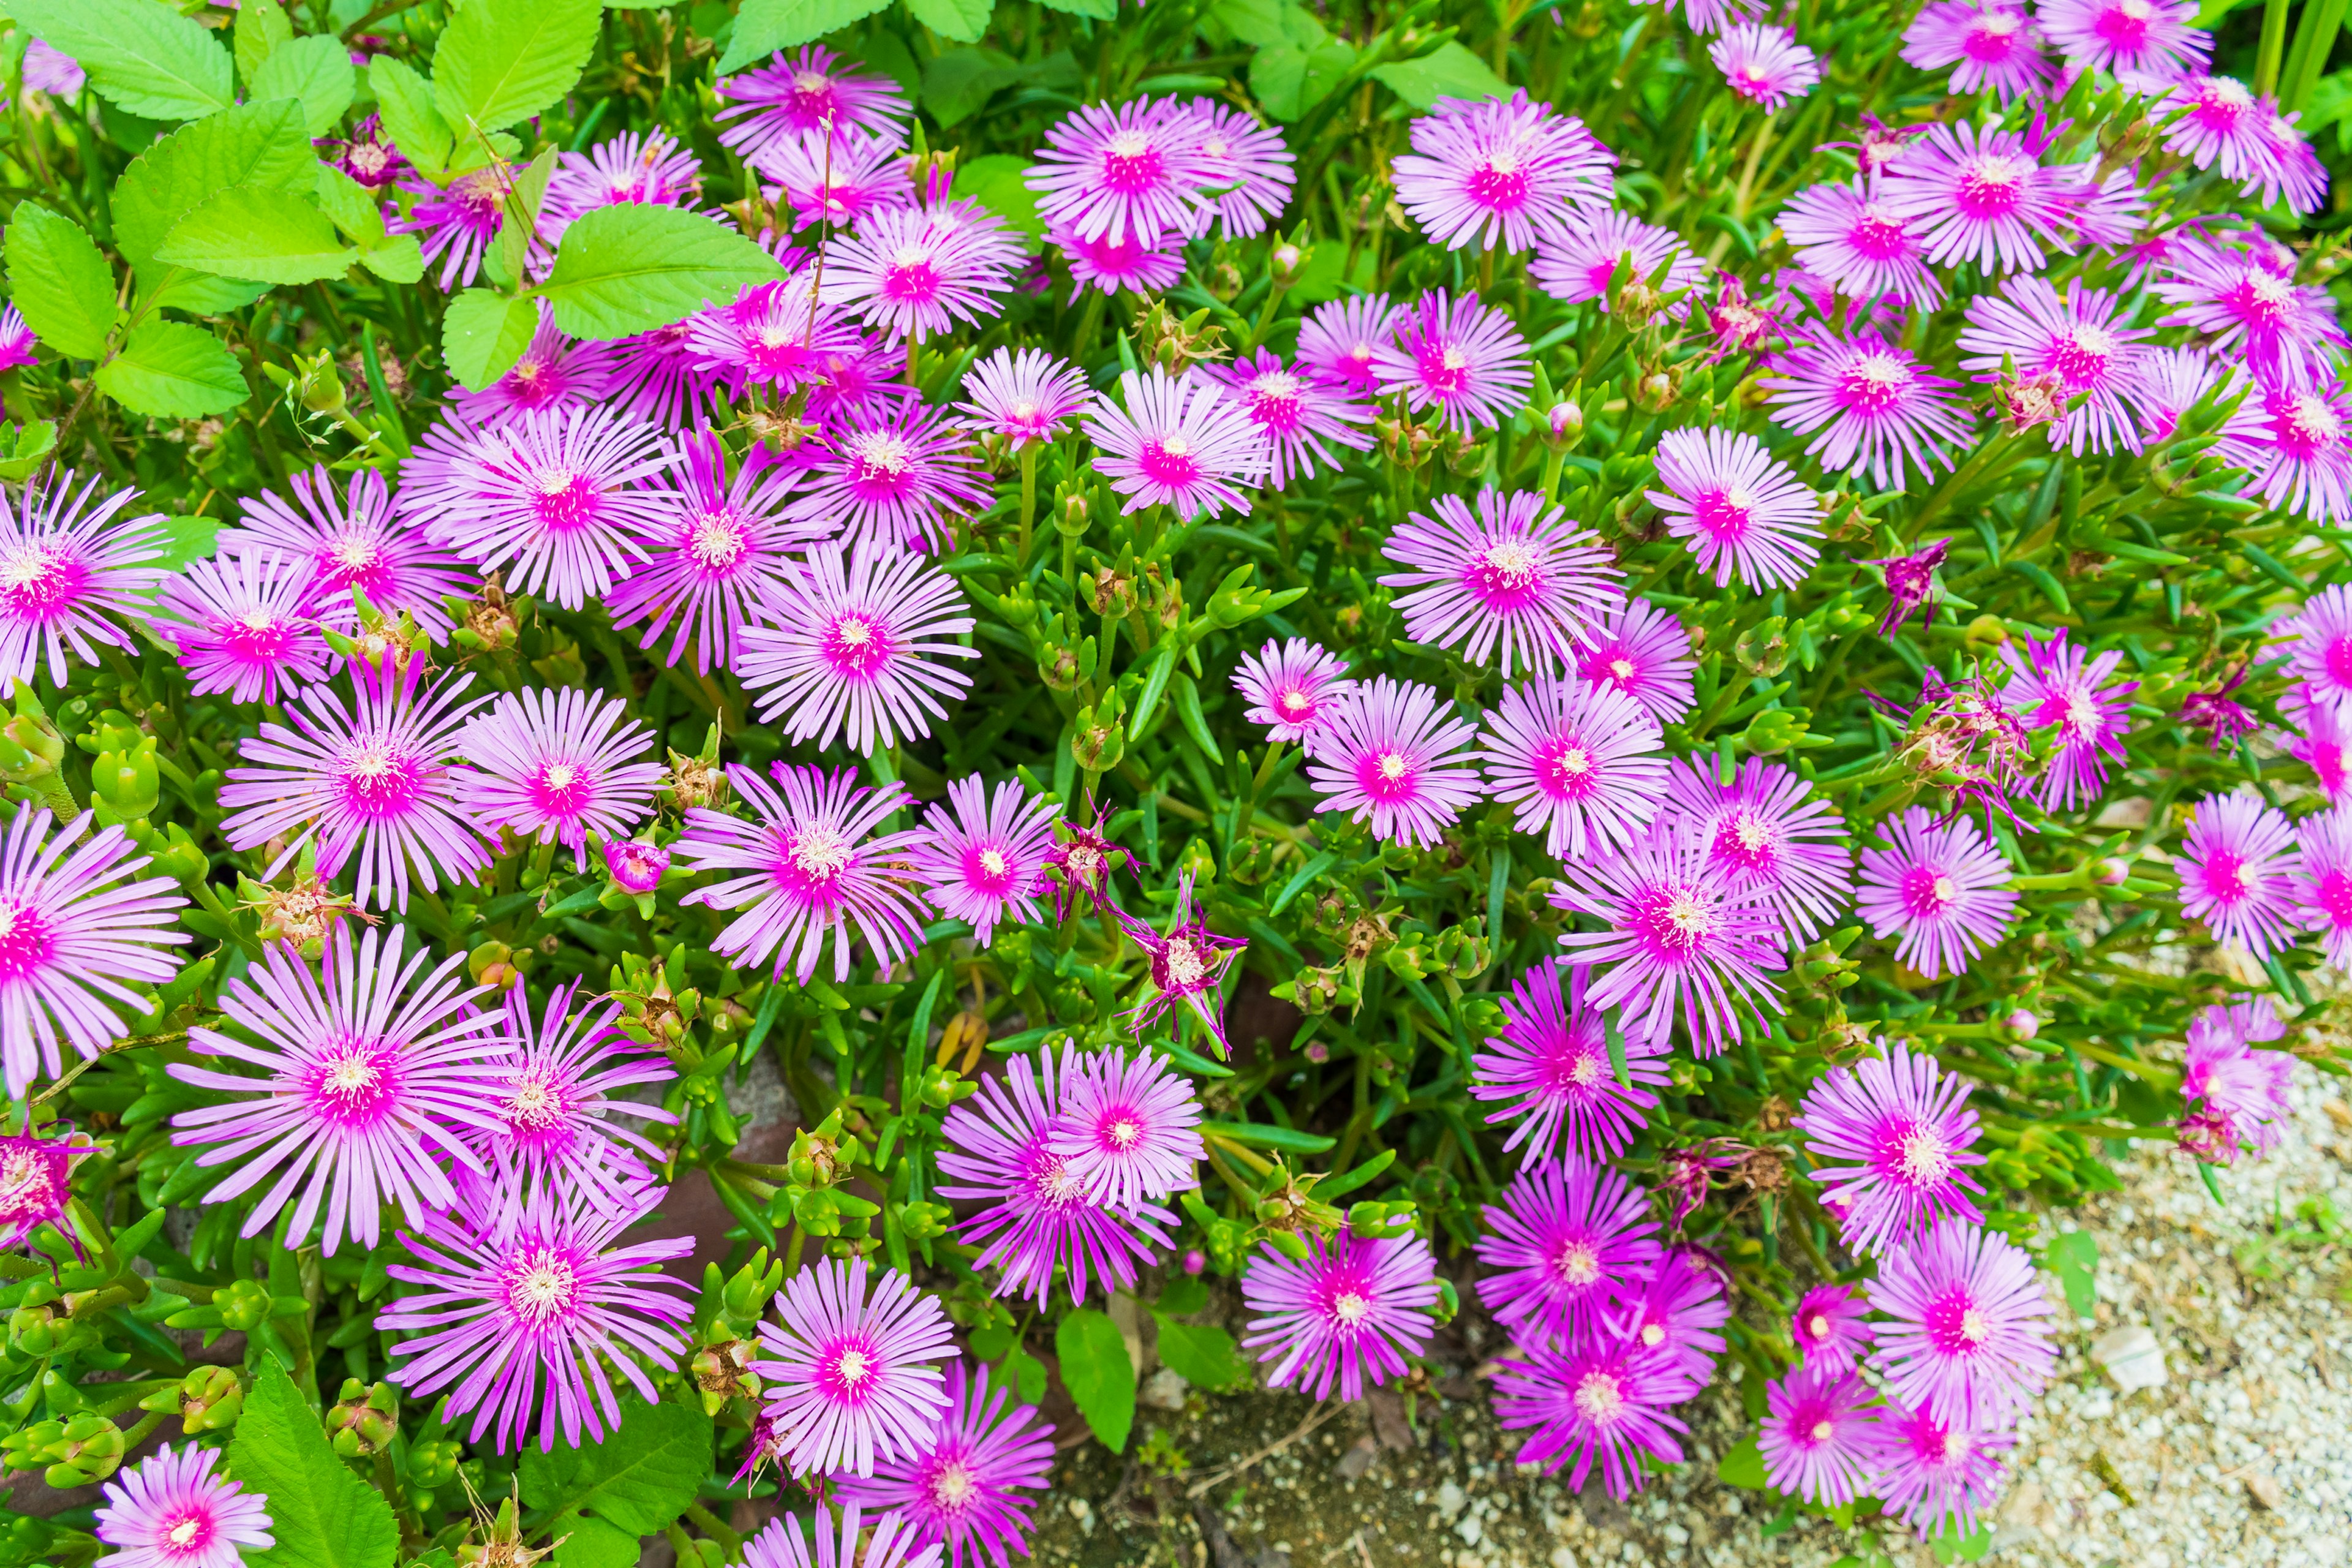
{"type": "Point", "coordinates": [1023, 396]}
{"type": "Point", "coordinates": [896, 479]}
{"type": "Point", "coordinates": [1085, 860]}
{"type": "Point", "coordinates": [1038, 1217]}
{"type": "Point", "coordinates": [838, 175]}
{"type": "Point", "coordinates": [1846, 235]}
{"type": "Point", "coordinates": [1189, 966]}
{"type": "Point", "coordinates": [1968, 1341]}
{"type": "Point", "coordinates": [1582, 765]}
{"type": "Point", "coordinates": [170, 1511]}
{"type": "Point", "coordinates": [1346, 1317]}
{"type": "Point", "coordinates": [849, 1376]}
{"type": "Point", "coordinates": [371, 779]}
{"type": "Point", "coordinates": [982, 859]}
{"type": "Point", "coordinates": [912, 275]}
{"type": "Point", "coordinates": [1642, 651]}
{"type": "Point", "coordinates": [1247, 165]}
{"type": "Point", "coordinates": [16, 339]}
{"type": "Point", "coordinates": [2238, 866]}
{"type": "Point", "coordinates": [36, 1183]}
{"type": "Point", "coordinates": [2225, 127]}
{"type": "Point", "coordinates": [2323, 884]}
{"type": "Point", "coordinates": [1940, 889]}
{"type": "Point", "coordinates": [1829, 1328]}
{"type": "Point", "coordinates": [458, 224]}
{"type": "Point", "coordinates": [371, 1077]}
{"type": "Point", "coordinates": [1767, 833]}
{"type": "Point", "coordinates": [2294, 440]}
{"type": "Point", "coordinates": [1599, 1398]}
{"type": "Point", "coordinates": [1739, 325]}
{"type": "Point", "coordinates": [47, 68]}
{"type": "Point", "coordinates": [843, 1541]}
{"type": "Point", "coordinates": [1984, 196]}
{"type": "Point", "coordinates": [806, 872]}
{"type": "Point", "coordinates": [354, 544]}
{"type": "Point", "coordinates": [628, 169]}
{"type": "Point", "coordinates": [1394, 755]}
{"type": "Point", "coordinates": [1935, 1474]}
{"type": "Point", "coordinates": [778, 101]}
{"type": "Point", "coordinates": [368, 156]}
{"type": "Point", "coordinates": [1551, 1061]}
{"type": "Point", "coordinates": [1569, 1246]}
{"type": "Point", "coordinates": [2144, 37]}
{"type": "Point", "coordinates": [1764, 65]}
{"type": "Point", "coordinates": [1989, 45]}
{"type": "Point", "coordinates": [2057, 683]}
{"type": "Point", "coordinates": [1297, 413]}
{"type": "Point", "coordinates": [1139, 265]}
{"type": "Point", "coordinates": [856, 647]}
{"type": "Point", "coordinates": [2244, 1090]}
{"type": "Point", "coordinates": [1339, 341]}
{"type": "Point", "coordinates": [1871, 406]}
{"type": "Point", "coordinates": [1681, 939]}
{"type": "Point", "coordinates": [556, 766]}
{"type": "Point", "coordinates": [1742, 509]}
{"type": "Point", "coordinates": [1492, 172]}
{"type": "Point", "coordinates": [523, 1323]}
{"type": "Point", "coordinates": [2236, 289]}
{"type": "Point", "coordinates": [1819, 1439]}
{"type": "Point", "coordinates": [554, 373]}
{"type": "Point", "coordinates": [774, 335]}
{"type": "Point", "coordinates": [1131, 172]}
{"type": "Point", "coordinates": [1129, 1130]}
{"type": "Point", "coordinates": [1181, 442]}
{"type": "Point", "coordinates": [1518, 578]}
{"type": "Point", "coordinates": [1463, 359]}
{"type": "Point", "coordinates": [1911, 584]}
{"type": "Point", "coordinates": [1293, 688]}
{"type": "Point", "coordinates": [66, 566]}
{"type": "Point", "coordinates": [1888, 1138]}
{"type": "Point", "coordinates": [637, 867]}
{"type": "Point", "coordinates": [1677, 1314]}
{"type": "Point", "coordinates": [2079, 343]}
{"type": "Point", "coordinates": [1578, 255]}
{"type": "Point", "coordinates": [962, 1485]}
{"type": "Point", "coordinates": [241, 625]}
{"type": "Point", "coordinates": [714, 557]}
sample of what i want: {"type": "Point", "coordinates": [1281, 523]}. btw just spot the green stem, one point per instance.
{"type": "Point", "coordinates": [2267, 57]}
{"type": "Point", "coordinates": [1028, 499]}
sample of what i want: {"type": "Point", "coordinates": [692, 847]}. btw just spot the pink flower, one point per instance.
{"type": "Point", "coordinates": [1936, 1474]}
{"type": "Point", "coordinates": [1592, 1398]}
{"type": "Point", "coordinates": [982, 857]}
{"type": "Point", "coordinates": [1984, 196]}
{"type": "Point", "coordinates": [459, 224]}
{"type": "Point", "coordinates": [1568, 1247]}
{"type": "Point", "coordinates": [2079, 343]}
{"type": "Point", "coordinates": [1024, 396]}
{"type": "Point", "coordinates": [37, 1182]}
{"type": "Point", "coordinates": [1889, 1139]}
{"type": "Point", "coordinates": [910, 274]}
{"type": "Point", "coordinates": [1581, 763]}
{"type": "Point", "coordinates": [2323, 897]}
{"type": "Point", "coordinates": [1871, 405]}
{"type": "Point", "coordinates": [170, 1511]}
{"type": "Point", "coordinates": [67, 568]}
{"type": "Point", "coordinates": [1339, 341]}
{"type": "Point", "coordinates": [556, 766]}
{"type": "Point", "coordinates": [857, 645]}
{"type": "Point", "coordinates": [1578, 255]}
{"type": "Point", "coordinates": [1339, 1318]}
{"type": "Point", "coordinates": [1706, 17]}
{"type": "Point", "coordinates": [2237, 289]}
{"type": "Point", "coordinates": [2320, 654]}
{"type": "Point", "coordinates": [1818, 1435]}
{"type": "Point", "coordinates": [1297, 413]}
{"type": "Point", "coordinates": [2147, 37]}
{"type": "Point", "coordinates": [1131, 172]}
{"type": "Point", "coordinates": [637, 867]}
{"type": "Point", "coordinates": [1137, 264]}
{"type": "Point", "coordinates": [1248, 163]}
{"type": "Point", "coordinates": [2237, 865]}
{"type": "Point", "coordinates": [777, 101]}
{"type": "Point", "coordinates": [1764, 65]}
{"type": "Point", "coordinates": [894, 480]}
{"type": "Point", "coordinates": [1849, 237]}
{"type": "Point", "coordinates": [849, 1374]}
{"type": "Point", "coordinates": [1968, 1338]}
{"type": "Point", "coordinates": [2296, 439]}
{"type": "Point", "coordinates": [1741, 508]}
{"type": "Point", "coordinates": [554, 373]}
{"type": "Point", "coordinates": [241, 625]}
{"type": "Point", "coordinates": [1642, 651]}
{"type": "Point", "coordinates": [1396, 757]}
{"type": "Point", "coordinates": [1492, 172]}
{"type": "Point", "coordinates": [1189, 966]}
{"type": "Point", "coordinates": [1463, 359]}
{"type": "Point", "coordinates": [1763, 831]}
{"type": "Point", "coordinates": [837, 175]}
{"type": "Point", "coordinates": [1552, 1059]}
{"type": "Point", "coordinates": [17, 339]}
{"type": "Point", "coordinates": [774, 335]}
{"type": "Point", "coordinates": [2226, 128]}
{"type": "Point", "coordinates": [1830, 1328]}
{"type": "Point", "coordinates": [1941, 890]}
{"type": "Point", "coordinates": [1129, 1129]}
{"type": "Point", "coordinates": [844, 1540]}
{"type": "Point", "coordinates": [351, 546]}
{"type": "Point", "coordinates": [1179, 442]}
{"type": "Point", "coordinates": [2061, 684]}
{"type": "Point", "coordinates": [1291, 689]}
{"type": "Point", "coordinates": [630, 169]}
{"type": "Point", "coordinates": [961, 1487]}
{"type": "Point", "coordinates": [1516, 583]}
{"type": "Point", "coordinates": [1990, 44]}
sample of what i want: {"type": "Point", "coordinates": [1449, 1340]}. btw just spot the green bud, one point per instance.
{"type": "Point", "coordinates": [432, 1466]}
{"type": "Point", "coordinates": [211, 1399]}
{"type": "Point", "coordinates": [244, 1305]}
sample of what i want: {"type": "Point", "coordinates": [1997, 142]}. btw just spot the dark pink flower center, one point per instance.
{"type": "Point", "coordinates": [717, 542]}
{"type": "Point", "coordinates": [881, 465]}
{"type": "Point", "coordinates": [2340, 661]}
{"type": "Point", "coordinates": [1443, 367]}
{"type": "Point", "coordinates": [1878, 234]}
{"type": "Point", "coordinates": [1576, 1062]}
{"type": "Point", "coordinates": [988, 870]}
{"type": "Point", "coordinates": [811, 864]}
{"type": "Point", "coordinates": [2221, 105]}
{"type": "Point", "coordinates": [910, 278]}
{"type": "Point", "coordinates": [376, 781]}
{"type": "Point", "coordinates": [1388, 776]}
{"type": "Point", "coordinates": [538, 1107]}
{"type": "Point", "coordinates": [32, 1182]}
{"type": "Point", "coordinates": [1957, 1324]}
{"type": "Point", "coordinates": [37, 581]}
{"type": "Point", "coordinates": [536, 383]}
{"type": "Point", "coordinates": [539, 1284]}
{"type": "Point", "coordinates": [2333, 892]}
{"type": "Point", "coordinates": [949, 1485]}
{"type": "Point", "coordinates": [2303, 425]}
{"type": "Point", "coordinates": [560, 787]}
{"type": "Point", "coordinates": [854, 645]}
{"type": "Point", "coordinates": [28, 942]}
{"type": "Point", "coordinates": [353, 561]}
{"type": "Point", "coordinates": [1344, 1299]}
{"type": "Point", "coordinates": [1809, 1423]}
{"type": "Point", "coordinates": [474, 201]}
{"type": "Point", "coordinates": [2125, 26]}
{"type": "Point", "coordinates": [1991, 186]}
{"type": "Point", "coordinates": [186, 1534]}
{"type": "Point", "coordinates": [1611, 664]}
{"type": "Point", "coordinates": [566, 503]}
{"type": "Point", "coordinates": [1132, 164]}
{"type": "Point", "coordinates": [1993, 37]}
{"type": "Point", "coordinates": [812, 100]}
{"type": "Point", "coordinates": [1746, 840]}
{"type": "Point", "coordinates": [257, 637]}
{"type": "Point", "coordinates": [354, 1082]}
{"type": "Point", "coordinates": [1186, 964]}
{"type": "Point", "coordinates": [1169, 463]}
{"type": "Point", "coordinates": [1673, 919]}
{"type": "Point", "coordinates": [849, 1370]}
{"type": "Point", "coordinates": [2225, 876]}
{"type": "Point", "coordinates": [2080, 355]}
{"type": "Point", "coordinates": [2258, 298]}
{"type": "Point", "coordinates": [1910, 1154]}
{"type": "Point", "coordinates": [1498, 184]}
{"type": "Point", "coordinates": [1275, 402]}
{"type": "Point", "coordinates": [1928, 891]}
{"type": "Point", "coordinates": [1507, 575]}
{"type": "Point", "coordinates": [1875, 385]}
{"type": "Point", "coordinates": [1564, 768]}
{"type": "Point", "coordinates": [1725, 516]}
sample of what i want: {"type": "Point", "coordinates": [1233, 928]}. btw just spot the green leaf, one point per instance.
{"type": "Point", "coordinates": [963, 20]}
{"type": "Point", "coordinates": [261, 27]}
{"type": "Point", "coordinates": [317, 70]}
{"type": "Point", "coordinates": [521, 216]}
{"type": "Point", "coordinates": [1186, 1294]}
{"type": "Point", "coordinates": [483, 333]}
{"type": "Point", "coordinates": [995, 182]}
{"type": "Point", "coordinates": [505, 61]}
{"type": "Point", "coordinates": [254, 145]}
{"type": "Point", "coordinates": [592, 1543]}
{"type": "Point", "coordinates": [171, 370]}
{"type": "Point", "coordinates": [143, 56]}
{"type": "Point", "coordinates": [351, 206]}
{"type": "Point", "coordinates": [638, 1480]}
{"type": "Point", "coordinates": [1028, 1375]}
{"type": "Point", "coordinates": [2074, 1258]}
{"type": "Point", "coordinates": [1203, 1357]}
{"type": "Point", "coordinates": [400, 261]}
{"type": "Point", "coordinates": [188, 539]}
{"type": "Point", "coordinates": [1744, 1465]}
{"type": "Point", "coordinates": [1101, 10]}
{"type": "Point", "coordinates": [1289, 81]}
{"type": "Point", "coordinates": [405, 100]}
{"type": "Point", "coordinates": [763, 26]}
{"type": "Point", "coordinates": [60, 281]}
{"type": "Point", "coordinates": [1451, 72]}
{"type": "Point", "coordinates": [630, 269]}
{"type": "Point", "coordinates": [1266, 1137]}
{"type": "Point", "coordinates": [321, 1515]}
{"type": "Point", "coordinates": [1095, 1371]}
{"type": "Point", "coordinates": [1952, 1545]}
{"type": "Point", "coordinates": [260, 235]}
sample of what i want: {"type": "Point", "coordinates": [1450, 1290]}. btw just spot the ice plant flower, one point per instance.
{"type": "Point", "coordinates": [66, 570]}
{"type": "Point", "coordinates": [1246, 164]}
{"type": "Point", "coordinates": [963, 1486]}
{"type": "Point", "coordinates": [457, 225]}
{"type": "Point", "coordinates": [522, 1321]}
{"type": "Point", "coordinates": [1818, 1435]}
{"type": "Point", "coordinates": [714, 556]}
{"type": "Point", "coordinates": [1128, 1131]}
{"type": "Point", "coordinates": [1846, 235]}
{"type": "Point", "coordinates": [1292, 688]}
{"type": "Point", "coordinates": [1566, 1248]}
{"type": "Point", "coordinates": [556, 766]}
{"type": "Point", "coordinates": [1339, 1319]}
{"type": "Point", "coordinates": [1084, 860]}
{"type": "Point", "coordinates": [2238, 866]}
{"type": "Point", "coordinates": [774, 335]}
{"type": "Point", "coordinates": [17, 339]}
{"type": "Point", "coordinates": [1681, 940]}
{"type": "Point", "coordinates": [2323, 884]}
{"type": "Point", "coordinates": [1593, 1399]}
{"type": "Point", "coordinates": [790, 95]}
{"type": "Point", "coordinates": [2320, 652]}
{"type": "Point", "coordinates": [1582, 765]}
{"type": "Point", "coordinates": [914, 276]}
{"type": "Point", "coordinates": [1395, 757]}
{"type": "Point", "coordinates": [838, 175]}
{"type": "Point", "coordinates": [844, 1540]}
{"type": "Point", "coordinates": [2244, 1090]}
{"type": "Point", "coordinates": [1988, 44]}
{"type": "Point", "coordinates": [554, 373]}
{"type": "Point", "coordinates": [2296, 439]}
{"type": "Point", "coordinates": [1985, 197]}
{"type": "Point", "coordinates": [1890, 1137]}
{"type": "Point", "coordinates": [37, 1181]}
{"type": "Point", "coordinates": [1764, 65]}
{"type": "Point", "coordinates": [1339, 341]}
{"type": "Point", "coordinates": [1189, 966]}
{"type": "Point", "coordinates": [1643, 651]}
{"type": "Point", "coordinates": [857, 647]}
{"type": "Point", "coordinates": [1491, 172]}
{"type": "Point", "coordinates": [1870, 404]}
{"type": "Point", "coordinates": [1023, 396]}
{"type": "Point", "coordinates": [1940, 888]}
{"type": "Point", "coordinates": [2227, 127]}
{"type": "Point", "coordinates": [241, 625]}
{"type": "Point", "coordinates": [170, 1511]}
{"type": "Point", "coordinates": [1768, 832]}
{"type": "Point", "coordinates": [1551, 1062]}
{"type": "Point", "coordinates": [1677, 1314]}
{"type": "Point", "coordinates": [628, 169]}
{"type": "Point", "coordinates": [1143, 266]}
{"type": "Point", "coordinates": [850, 1379]}
{"type": "Point", "coordinates": [371, 779]}
{"type": "Point", "coordinates": [1038, 1218]}
{"type": "Point", "coordinates": [804, 871]}
{"type": "Point", "coordinates": [2081, 341]}
{"type": "Point", "coordinates": [1463, 359]}
{"type": "Point", "coordinates": [2236, 289]}
{"type": "Point", "coordinates": [896, 479]}
{"type": "Point", "coordinates": [1911, 584]}
{"type": "Point", "coordinates": [1935, 1474]}
{"type": "Point", "coordinates": [1131, 172]}
{"type": "Point", "coordinates": [1183, 442]}
{"type": "Point", "coordinates": [1741, 509]}
{"type": "Point", "coordinates": [2156, 38]}
{"type": "Point", "coordinates": [352, 544]}
{"type": "Point", "coordinates": [1578, 257]}
{"type": "Point", "coordinates": [1830, 1328]}
{"type": "Point", "coordinates": [47, 68]}
{"type": "Point", "coordinates": [1297, 413]}
{"type": "Point", "coordinates": [1512, 582]}
{"type": "Point", "coordinates": [637, 867]}
{"type": "Point", "coordinates": [981, 856]}
{"type": "Point", "coordinates": [2057, 683]}
{"type": "Point", "coordinates": [1966, 1338]}
{"type": "Point", "coordinates": [372, 1073]}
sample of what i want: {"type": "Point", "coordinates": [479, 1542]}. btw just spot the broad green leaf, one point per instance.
{"type": "Point", "coordinates": [399, 260]}
{"type": "Point", "coordinates": [638, 1479]}
{"type": "Point", "coordinates": [1096, 1371]}
{"type": "Point", "coordinates": [170, 370]}
{"type": "Point", "coordinates": [1290, 80]}
{"type": "Point", "coordinates": [763, 26]}
{"type": "Point", "coordinates": [1450, 71]}
{"type": "Point", "coordinates": [253, 145]}
{"type": "Point", "coordinates": [483, 333]}
{"type": "Point", "coordinates": [2074, 1258]}
{"type": "Point", "coordinates": [351, 206]}
{"type": "Point", "coordinates": [995, 182]}
{"type": "Point", "coordinates": [321, 1515]}
{"type": "Point", "coordinates": [592, 1543]}
{"type": "Point", "coordinates": [28, 446]}
{"type": "Point", "coordinates": [1101, 10]}
{"type": "Point", "coordinates": [1182, 1296]}
{"type": "Point", "coordinates": [1952, 1544]}
{"type": "Point", "coordinates": [405, 100]}
{"type": "Point", "coordinates": [523, 198]}
{"type": "Point", "coordinates": [188, 539]}
{"type": "Point", "coordinates": [1203, 1357]}
{"type": "Point", "coordinates": [1028, 1375]}
{"type": "Point", "coordinates": [1270, 24]}
{"type": "Point", "coordinates": [261, 27]}
{"type": "Point", "coordinates": [141, 54]}
{"type": "Point", "coordinates": [631, 268]}
{"type": "Point", "coordinates": [505, 61]}
{"type": "Point", "coordinates": [957, 83]}
{"type": "Point", "coordinates": [317, 70]}
{"type": "Point", "coordinates": [1744, 1465]}
{"type": "Point", "coordinates": [60, 281]}
{"type": "Point", "coordinates": [262, 235]}
{"type": "Point", "coordinates": [963, 20]}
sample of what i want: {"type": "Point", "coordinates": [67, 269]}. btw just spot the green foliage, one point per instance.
{"type": "Point", "coordinates": [1096, 1370]}
{"type": "Point", "coordinates": [172, 370]}
{"type": "Point", "coordinates": [1742, 1466]}
{"type": "Point", "coordinates": [145, 57]}
{"type": "Point", "coordinates": [321, 1515]}
{"type": "Point", "coordinates": [316, 72]}
{"type": "Point", "coordinates": [259, 234]}
{"type": "Point", "coordinates": [482, 335]}
{"type": "Point", "coordinates": [2075, 1258]}
{"type": "Point", "coordinates": [627, 269]}
{"type": "Point", "coordinates": [763, 26]}
{"type": "Point", "coordinates": [60, 282]}
{"type": "Point", "coordinates": [603, 1497]}
{"type": "Point", "coordinates": [505, 61]}
{"type": "Point", "coordinates": [1205, 1357]}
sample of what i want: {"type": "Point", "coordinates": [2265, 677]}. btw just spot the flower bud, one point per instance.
{"type": "Point", "coordinates": [2019, 1025]}
{"type": "Point", "coordinates": [1195, 1261]}
{"type": "Point", "coordinates": [637, 865]}
{"type": "Point", "coordinates": [1287, 262]}
{"type": "Point", "coordinates": [1563, 427]}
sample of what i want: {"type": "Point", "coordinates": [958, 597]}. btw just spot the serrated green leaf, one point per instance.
{"type": "Point", "coordinates": [957, 82]}
{"type": "Point", "coordinates": [592, 1543]}
{"type": "Point", "coordinates": [995, 182]}
{"type": "Point", "coordinates": [521, 220]}
{"type": "Point", "coordinates": [261, 27]}
{"type": "Point", "coordinates": [483, 333]}
{"type": "Point", "coordinates": [143, 56]}
{"type": "Point", "coordinates": [315, 71]}
{"type": "Point", "coordinates": [1204, 1357]}
{"type": "Point", "coordinates": [320, 1514]}
{"type": "Point", "coordinates": [1743, 1466]}
{"type": "Point", "coordinates": [763, 26]}
{"type": "Point", "coordinates": [60, 281]}
{"type": "Point", "coordinates": [638, 1479]}
{"type": "Point", "coordinates": [405, 100]}
{"type": "Point", "coordinates": [1098, 1375]}
{"type": "Point", "coordinates": [505, 61]}
{"type": "Point", "coordinates": [253, 145]}
{"type": "Point", "coordinates": [171, 370]}
{"type": "Point", "coordinates": [630, 269]}
{"type": "Point", "coordinates": [963, 20]}
{"type": "Point", "coordinates": [350, 207]}
{"type": "Point", "coordinates": [186, 538]}
{"type": "Point", "coordinates": [1450, 71]}
{"type": "Point", "coordinates": [261, 235]}
{"type": "Point", "coordinates": [1101, 10]}
{"type": "Point", "coordinates": [2074, 1258]}
{"type": "Point", "coordinates": [399, 260]}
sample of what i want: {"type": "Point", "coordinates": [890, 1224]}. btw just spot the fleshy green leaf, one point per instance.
{"type": "Point", "coordinates": [638, 1479]}
{"type": "Point", "coordinates": [630, 269]}
{"type": "Point", "coordinates": [316, 70]}
{"type": "Point", "coordinates": [963, 20]}
{"type": "Point", "coordinates": [143, 56]}
{"type": "Point", "coordinates": [995, 182]}
{"type": "Point", "coordinates": [2074, 1258]}
{"type": "Point", "coordinates": [261, 235]}
{"type": "Point", "coordinates": [321, 1515]}
{"type": "Point", "coordinates": [171, 370]}
{"type": "Point", "coordinates": [405, 100]}
{"type": "Point", "coordinates": [1450, 71]}
{"type": "Point", "coordinates": [1744, 1465]}
{"type": "Point", "coordinates": [60, 281]}
{"type": "Point", "coordinates": [261, 27]}
{"type": "Point", "coordinates": [1203, 1357]}
{"type": "Point", "coordinates": [505, 61]}
{"type": "Point", "coordinates": [763, 26]}
{"type": "Point", "coordinates": [483, 333]}
{"type": "Point", "coordinates": [1098, 1375]}
{"type": "Point", "coordinates": [1265, 1137]}
{"type": "Point", "coordinates": [254, 145]}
